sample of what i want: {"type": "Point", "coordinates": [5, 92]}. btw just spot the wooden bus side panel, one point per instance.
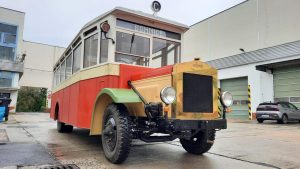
{"type": "Point", "coordinates": [64, 106]}
{"type": "Point", "coordinates": [54, 100]}
{"type": "Point", "coordinates": [88, 91]}
{"type": "Point", "coordinates": [73, 104]}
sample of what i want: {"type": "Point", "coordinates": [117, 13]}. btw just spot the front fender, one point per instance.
{"type": "Point", "coordinates": [121, 95]}
{"type": "Point", "coordinates": [106, 97]}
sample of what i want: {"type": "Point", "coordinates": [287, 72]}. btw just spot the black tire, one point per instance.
{"type": "Point", "coordinates": [198, 144]}
{"type": "Point", "coordinates": [284, 119]}
{"type": "Point", "coordinates": [116, 137]}
{"type": "Point", "coordinates": [64, 128]}
{"type": "Point", "coordinates": [260, 120]}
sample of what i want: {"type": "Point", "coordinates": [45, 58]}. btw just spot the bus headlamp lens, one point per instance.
{"type": "Point", "coordinates": [227, 99]}
{"type": "Point", "coordinates": [168, 95]}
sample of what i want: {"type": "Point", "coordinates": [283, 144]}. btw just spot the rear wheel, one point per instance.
{"type": "Point", "coordinates": [199, 144]}
{"type": "Point", "coordinates": [64, 128]}
{"type": "Point", "coordinates": [116, 137]}
{"type": "Point", "coordinates": [260, 120]}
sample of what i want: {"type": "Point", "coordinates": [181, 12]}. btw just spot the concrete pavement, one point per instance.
{"type": "Point", "coordinates": [30, 140]}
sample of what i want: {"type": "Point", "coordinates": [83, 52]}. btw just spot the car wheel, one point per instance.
{"type": "Point", "coordinates": [199, 144]}
{"type": "Point", "coordinates": [284, 119]}
{"type": "Point", "coordinates": [64, 128]}
{"type": "Point", "coordinates": [116, 137]}
{"type": "Point", "coordinates": [260, 120]}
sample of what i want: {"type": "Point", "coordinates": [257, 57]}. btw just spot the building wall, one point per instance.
{"type": "Point", "coordinates": [16, 18]}
{"type": "Point", "coordinates": [38, 66]}
{"type": "Point", "coordinates": [251, 25]}
{"type": "Point", "coordinates": [13, 18]}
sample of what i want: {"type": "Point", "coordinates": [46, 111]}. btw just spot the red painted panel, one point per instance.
{"type": "Point", "coordinates": [155, 72]}
{"type": "Point", "coordinates": [87, 95]}
{"type": "Point", "coordinates": [64, 110]}
{"type": "Point", "coordinates": [54, 100]}
{"type": "Point", "coordinates": [126, 71]}
{"type": "Point", "coordinates": [74, 103]}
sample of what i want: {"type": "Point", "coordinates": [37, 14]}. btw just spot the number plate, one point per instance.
{"type": "Point", "coordinates": [265, 115]}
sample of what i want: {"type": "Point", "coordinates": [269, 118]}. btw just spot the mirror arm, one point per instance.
{"type": "Point", "coordinates": [112, 40]}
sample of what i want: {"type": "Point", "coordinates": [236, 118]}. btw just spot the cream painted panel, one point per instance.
{"type": "Point", "coordinates": [92, 72]}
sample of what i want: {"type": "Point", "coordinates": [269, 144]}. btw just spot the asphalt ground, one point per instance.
{"type": "Point", "coordinates": [30, 140]}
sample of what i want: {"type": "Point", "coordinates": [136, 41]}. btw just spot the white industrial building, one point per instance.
{"type": "Point", "coordinates": [35, 70]}
{"type": "Point", "coordinates": [254, 44]}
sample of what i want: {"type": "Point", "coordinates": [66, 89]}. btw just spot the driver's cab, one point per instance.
{"type": "Point", "coordinates": [133, 37]}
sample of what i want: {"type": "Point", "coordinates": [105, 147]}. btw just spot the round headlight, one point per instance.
{"type": "Point", "coordinates": [168, 95]}
{"type": "Point", "coordinates": [226, 99]}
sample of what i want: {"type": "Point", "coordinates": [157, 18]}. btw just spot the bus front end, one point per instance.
{"type": "Point", "coordinates": [183, 104]}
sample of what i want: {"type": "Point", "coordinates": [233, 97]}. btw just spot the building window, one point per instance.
{"type": "Point", "coordinates": [103, 49]}
{"type": "Point", "coordinates": [295, 99]}
{"type": "Point", "coordinates": [132, 49]}
{"type": "Point", "coordinates": [90, 51]}
{"type": "Point", "coordinates": [8, 40]}
{"type": "Point", "coordinates": [69, 66]}
{"type": "Point", "coordinates": [7, 53]}
{"type": "Point", "coordinates": [164, 52]}
{"type": "Point", "coordinates": [76, 59]}
{"type": "Point", "coordinates": [6, 79]}
{"type": "Point", "coordinates": [62, 71]}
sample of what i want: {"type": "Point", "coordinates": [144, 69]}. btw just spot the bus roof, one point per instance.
{"type": "Point", "coordinates": [135, 13]}
{"type": "Point", "coordinates": [138, 13]}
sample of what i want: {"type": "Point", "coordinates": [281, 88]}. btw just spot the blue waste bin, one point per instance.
{"type": "Point", "coordinates": [2, 113]}
{"type": "Point", "coordinates": [4, 102]}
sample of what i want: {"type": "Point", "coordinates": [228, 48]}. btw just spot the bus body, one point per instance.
{"type": "Point", "coordinates": [122, 78]}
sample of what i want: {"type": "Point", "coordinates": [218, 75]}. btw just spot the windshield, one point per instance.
{"type": "Point", "coordinates": [132, 49]}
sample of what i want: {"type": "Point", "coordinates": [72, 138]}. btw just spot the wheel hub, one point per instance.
{"type": "Point", "coordinates": [110, 133]}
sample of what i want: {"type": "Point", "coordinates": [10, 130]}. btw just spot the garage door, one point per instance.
{"type": "Point", "coordinates": [287, 84]}
{"type": "Point", "coordinates": [238, 87]}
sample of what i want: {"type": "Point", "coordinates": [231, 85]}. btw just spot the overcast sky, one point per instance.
{"type": "Point", "coordinates": [56, 22]}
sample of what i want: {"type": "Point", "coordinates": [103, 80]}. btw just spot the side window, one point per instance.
{"type": "Point", "coordinates": [57, 77]}
{"type": "Point", "coordinates": [76, 59]}
{"type": "Point", "coordinates": [90, 51]}
{"type": "Point", "coordinates": [284, 105]}
{"type": "Point", "coordinates": [103, 49]}
{"type": "Point", "coordinates": [62, 71]}
{"type": "Point", "coordinates": [292, 106]}
{"type": "Point", "coordinates": [69, 66]}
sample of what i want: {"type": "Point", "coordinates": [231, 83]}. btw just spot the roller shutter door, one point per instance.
{"type": "Point", "coordinates": [238, 87]}
{"type": "Point", "coordinates": [287, 84]}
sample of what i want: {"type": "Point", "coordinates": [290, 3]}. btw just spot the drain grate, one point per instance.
{"type": "Point", "coordinates": [65, 166]}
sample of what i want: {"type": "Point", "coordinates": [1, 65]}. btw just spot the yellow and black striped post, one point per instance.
{"type": "Point", "coordinates": [219, 105]}
{"type": "Point", "coordinates": [249, 103]}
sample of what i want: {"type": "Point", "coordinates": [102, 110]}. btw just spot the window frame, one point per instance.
{"type": "Point", "coordinates": [129, 31]}
{"type": "Point", "coordinates": [15, 46]}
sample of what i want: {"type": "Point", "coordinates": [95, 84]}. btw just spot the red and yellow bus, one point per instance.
{"type": "Point", "coordinates": [122, 78]}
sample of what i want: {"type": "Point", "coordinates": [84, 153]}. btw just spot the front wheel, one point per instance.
{"type": "Point", "coordinates": [284, 119]}
{"type": "Point", "coordinates": [116, 137]}
{"type": "Point", "coordinates": [64, 128]}
{"type": "Point", "coordinates": [199, 144]}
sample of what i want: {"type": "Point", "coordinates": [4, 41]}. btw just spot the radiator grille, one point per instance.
{"type": "Point", "coordinates": [197, 93]}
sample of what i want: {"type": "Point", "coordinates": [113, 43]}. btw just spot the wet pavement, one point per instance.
{"type": "Point", "coordinates": [30, 140]}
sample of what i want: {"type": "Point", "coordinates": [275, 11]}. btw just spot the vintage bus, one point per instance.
{"type": "Point", "coordinates": [122, 78]}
